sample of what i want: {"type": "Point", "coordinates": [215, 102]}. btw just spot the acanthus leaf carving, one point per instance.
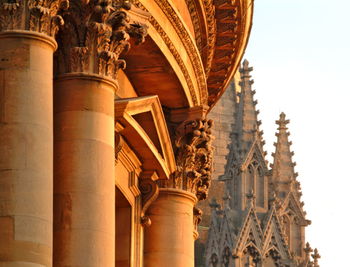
{"type": "Point", "coordinates": [32, 15]}
{"type": "Point", "coordinates": [95, 35]}
{"type": "Point", "coordinates": [194, 153]}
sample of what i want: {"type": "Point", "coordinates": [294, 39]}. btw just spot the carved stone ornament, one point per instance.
{"type": "Point", "coordinates": [214, 261]}
{"type": "Point", "coordinates": [197, 218]}
{"type": "Point", "coordinates": [226, 255]}
{"type": "Point", "coordinates": [193, 153]}
{"type": "Point", "coordinates": [33, 15]}
{"type": "Point", "coordinates": [149, 192]}
{"type": "Point", "coordinates": [95, 34]}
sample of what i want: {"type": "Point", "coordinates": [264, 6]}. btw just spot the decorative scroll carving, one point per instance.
{"type": "Point", "coordinates": [197, 218]}
{"type": "Point", "coordinates": [149, 190]}
{"type": "Point", "coordinates": [96, 33]}
{"type": "Point", "coordinates": [33, 15]}
{"type": "Point", "coordinates": [118, 142]}
{"type": "Point", "coordinates": [193, 153]}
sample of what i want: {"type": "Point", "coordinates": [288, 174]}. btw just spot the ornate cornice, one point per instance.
{"type": "Point", "coordinates": [189, 45]}
{"type": "Point", "coordinates": [195, 17]}
{"type": "Point", "coordinates": [192, 51]}
{"type": "Point", "coordinates": [94, 36]}
{"type": "Point", "coordinates": [32, 15]}
{"type": "Point", "coordinates": [193, 153]}
{"type": "Point", "coordinates": [211, 27]}
{"type": "Point", "coordinates": [233, 21]}
{"type": "Point", "coordinates": [177, 57]}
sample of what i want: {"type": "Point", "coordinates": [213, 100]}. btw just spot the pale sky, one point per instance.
{"type": "Point", "coordinates": [300, 53]}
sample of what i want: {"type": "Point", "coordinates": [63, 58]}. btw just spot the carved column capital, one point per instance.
{"type": "Point", "coordinates": [33, 15]}
{"type": "Point", "coordinates": [94, 35]}
{"type": "Point", "coordinates": [193, 153]}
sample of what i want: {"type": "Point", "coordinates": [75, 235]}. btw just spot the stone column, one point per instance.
{"type": "Point", "coordinates": [26, 131]}
{"type": "Point", "coordinates": [84, 185]}
{"type": "Point", "coordinates": [86, 65]}
{"type": "Point", "coordinates": [169, 240]}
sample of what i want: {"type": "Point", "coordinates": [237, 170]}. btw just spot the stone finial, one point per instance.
{"type": "Point", "coordinates": [308, 249]}
{"type": "Point", "coordinates": [245, 69]}
{"type": "Point", "coordinates": [316, 256]}
{"type": "Point", "coordinates": [282, 122]}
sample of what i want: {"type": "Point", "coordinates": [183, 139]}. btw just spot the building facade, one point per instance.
{"type": "Point", "coordinates": [255, 217]}
{"type": "Point", "coordinates": [105, 144]}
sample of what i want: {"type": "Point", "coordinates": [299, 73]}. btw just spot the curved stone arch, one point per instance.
{"type": "Point", "coordinates": [214, 260]}
{"type": "Point", "coordinates": [253, 251]}
{"type": "Point", "coordinates": [286, 223]}
{"type": "Point", "coordinates": [274, 254]}
{"type": "Point", "coordinates": [225, 256]}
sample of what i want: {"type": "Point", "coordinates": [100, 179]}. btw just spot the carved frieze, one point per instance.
{"type": "Point", "coordinates": [94, 36]}
{"type": "Point", "coordinates": [33, 15]}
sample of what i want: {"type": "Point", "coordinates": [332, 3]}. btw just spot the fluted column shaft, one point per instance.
{"type": "Point", "coordinates": [169, 240]}
{"type": "Point", "coordinates": [84, 180]}
{"type": "Point", "coordinates": [26, 148]}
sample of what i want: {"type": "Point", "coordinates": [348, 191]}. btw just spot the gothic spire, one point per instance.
{"type": "Point", "coordinates": [247, 124]}
{"type": "Point", "coordinates": [283, 175]}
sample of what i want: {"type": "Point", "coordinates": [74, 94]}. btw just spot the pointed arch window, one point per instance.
{"type": "Point", "coordinates": [295, 230]}
{"type": "Point", "coordinates": [255, 181]}
{"type": "Point", "coordinates": [226, 257]}
{"type": "Point", "coordinates": [260, 188]}
{"type": "Point", "coordinates": [236, 190]}
{"type": "Point", "coordinates": [250, 179]}
{"type": "Point", "coordinates": [214, 261]}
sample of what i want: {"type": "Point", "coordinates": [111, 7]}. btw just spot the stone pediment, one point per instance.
{"type": "Point", "coordinates": [251, 232]}
{"type": "Point", "coordinates": [274, 238]}
{"type": "Point", "coordinates": [141, 122]}
{"type": "Point", "coordinates": [292, 204]}
{"type": "Point", "coordinates": [227, 235]}
{"type": "Point", "coordinates": [256, 152]}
